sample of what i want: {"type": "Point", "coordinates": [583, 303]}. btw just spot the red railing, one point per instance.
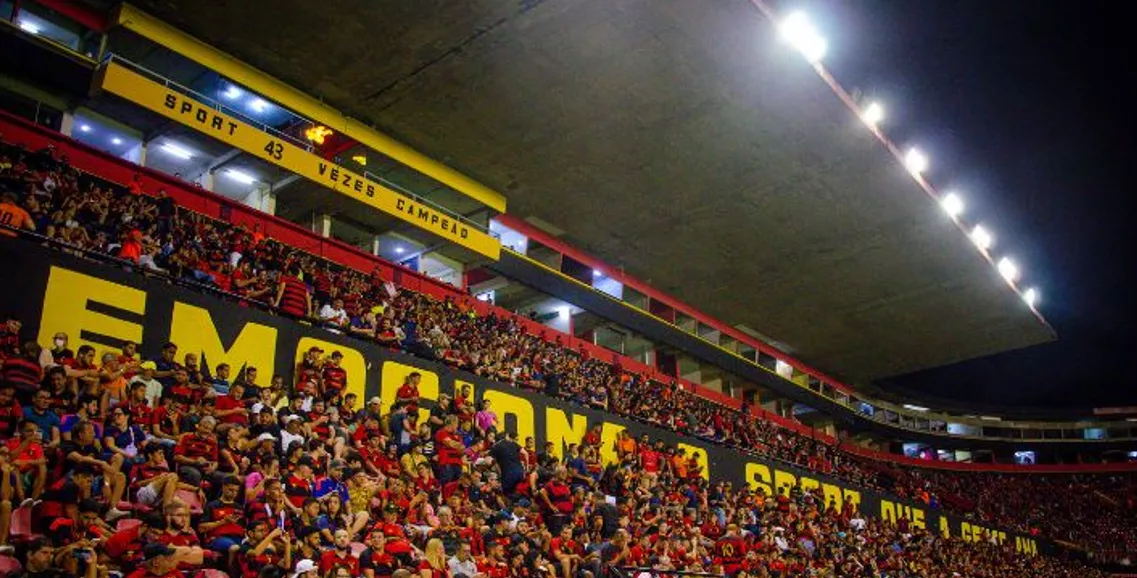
{"type": "Point", "coordinates": [194, 198]}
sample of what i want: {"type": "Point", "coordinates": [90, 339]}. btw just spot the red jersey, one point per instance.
{"type": "Point", "coordinates": [330, 558]}
{"type": "Point", "coordinates": [335, 379]}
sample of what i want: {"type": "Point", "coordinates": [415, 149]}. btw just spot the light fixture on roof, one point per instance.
{"type": "Point", "coordinates": [240, 176]}
{"type": "Point", "coordinates": [1031, 297]}
{"type": "Point", "coordinates": [177, 151]}
{"type": "Point", "coordinates": [1008, 269]}
{"type": "Point", "coordinates": [85, 127]}
{"type": "Point", "coordinates": [233, 93]}
{"type": "Point", "coordinates": [952, 205]}
{"type": "Point", "coordinates": [116, 141]}
{"type": "Point", "coordinates": [915, 407]}
{"type": "Point", "coordinates": [597, 273]}
{"type": "Point", "coordinates": [802, 35]}
{"type": "Point", "coordinates": [873, 113]}
{"type": "Point", "coordinates": [982, 237]}
{"type": "Point", "coordinates": [258, 104]}
{"type": "Point", "coordinates": [29, 27]}
{"type": "Point", "coordinates": [564, 311]}
{"type": "Point", "coordinates": [399, 249]}
{"type": "Point", "coordinates": [915, 161]}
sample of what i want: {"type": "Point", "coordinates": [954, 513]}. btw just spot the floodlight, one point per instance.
{"type": "Point", "coordinates": [916, 161]}
{"type": "Point", "coordinates": [952, 205]}
{"type": "Point", "coordinates": [801, 34]}
{"type": "Point", "coordinates": [982, 237]}
{"type": "Point", "coordinates": [1008, 269]}
{"type": "Point", "coordinates": [873, 113]}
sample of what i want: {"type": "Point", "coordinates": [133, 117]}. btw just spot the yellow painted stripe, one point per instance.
{"type": "Point", "coordinates": [165, 35]}
{"type": "Point", "coordinates": [178, 107]}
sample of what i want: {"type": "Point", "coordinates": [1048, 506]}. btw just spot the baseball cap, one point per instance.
{"type": "Point", "coordinates": [148, 365]}
{"type": "Point", "coordinates": [303, 566]}
{"type": "Point", "coordinates": [374, 400]}
{"type": "Point", "coordinates": [266, 437]}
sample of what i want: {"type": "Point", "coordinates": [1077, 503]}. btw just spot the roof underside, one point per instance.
{"type": "Point", "coordinates": [679, 140]}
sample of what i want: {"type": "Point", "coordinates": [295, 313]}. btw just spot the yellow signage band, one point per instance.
{"type": "Point", "coordinates": [181, 43]}
{"type": "Point", "coordinates": [177, 106]}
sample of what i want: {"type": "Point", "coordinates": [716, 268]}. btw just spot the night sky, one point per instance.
{"type": "Point", "coordinates": [1028, 109]}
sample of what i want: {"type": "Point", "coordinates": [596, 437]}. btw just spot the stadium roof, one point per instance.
{"type": "Point", "coordinates": [680, 141]}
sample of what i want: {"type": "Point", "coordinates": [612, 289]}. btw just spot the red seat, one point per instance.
{"type": "Point", "coordinates": [127, 523]}
{"type": "Point", "coordinates": [9, 566]}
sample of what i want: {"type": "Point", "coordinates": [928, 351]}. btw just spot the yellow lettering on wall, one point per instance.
{"type": "Point", "coordinates": [783, 478]}
{"type": "Point", "coordinates": [459, 384]}
{"type": "Point", "coordinates": [758, 476]}
{"type": "Point", "coordinates": [608, 435]}
{"type": "Point", "coordinates": [559, 431]}
{"type": "Point", "coordinates": [192, 328]}
{"type": "Point", "coordinates": [353, 362]}
{"type": "Point", "coordinates": [66, 308]}
{"type": "Point", "coordinates": [705, 468]}
{"type": "Point", "coordinates": [394, 374]}
{"type": "Point", "coordinates": [852, 497]}
{"type": "Point", "coordinates": [918, 519]}
{"type": "Point", "coordinates": [832, 493]}
{"type": "Point", "coordinates": [965, 532]}
{"type": "Point", "coordinates": [945, 527]}
{"type": "Point", "coordinates": [504, 404]}
{"type": "Point", "coordinates": [888, 511]}
{"type": "Point", "coordinates": [808, 484]}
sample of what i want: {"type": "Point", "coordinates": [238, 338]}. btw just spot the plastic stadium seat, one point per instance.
{"type": "Point", "coordinates": [190, 498]}
{"type": "Point", "coordinates": [21, 528]}
{"type": "Point", "coordinates": [9, 566]}
{"type": "Point", "coordinates": [357, 548]}
{"type": "Point", "coordinates": [127, 523]}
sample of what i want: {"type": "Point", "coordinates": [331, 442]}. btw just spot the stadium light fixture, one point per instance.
{"type": "Point", "coordinates": [1030, 296]}
{"type": "Point", "coordinates": [399, 250]}
{"type": "Point", "coordinates": [177, 151]}
{"type": "Point", "coordinates": [597, 273]}
{"type": "Point", "coordinates": [982, 237]}
{"type": "Point", "coordinates": [1008, 269]}
{"type": "Point", "coordinates": [29, 27]}
{"type": "Point", "coordinates": [116, 141]}
{"type": "Point", "coordinates": [916, 161]}
{"type": "Point", "coordinates": [258, 105]}
{"type": "Point", "coordinates": [233, 93]}
{"type": "Point", "coordinates": [85, 127]}
{"type": "Point", "coordinates": [564, 311]}
{"type": "Point", "coordinates": [952, 204]}
{"type": "Point", "coordinates": [915, 407]}
{"type": "Point", "coordinates": [240, 176]}
{"type": "Point", "coordinates": [873, 114]}
{"type": "Point", "coordinates": [802, 35]}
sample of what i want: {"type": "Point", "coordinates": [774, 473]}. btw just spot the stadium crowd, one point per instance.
{"type": "Point", "coordinates": [156, 467]}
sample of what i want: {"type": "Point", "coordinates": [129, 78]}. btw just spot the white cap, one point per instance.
{"type": "Point", "coordinates": [266, 437]}
{"type": "Point", "coordinates": [303, 566]}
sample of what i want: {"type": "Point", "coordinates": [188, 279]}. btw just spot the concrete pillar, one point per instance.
{"type": "Point", "coordinates": [375, 245]}
{"type": "Point", "coordinates": [142, 148]}
{"type": "Point", "coordinates": [67, 123]}
{"type": "Point", "coordinates": [322, 224]}
{"type": "Point", "coordinates": [268, 202]}
{"type": "Point", "coordinates": [206, 181]}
